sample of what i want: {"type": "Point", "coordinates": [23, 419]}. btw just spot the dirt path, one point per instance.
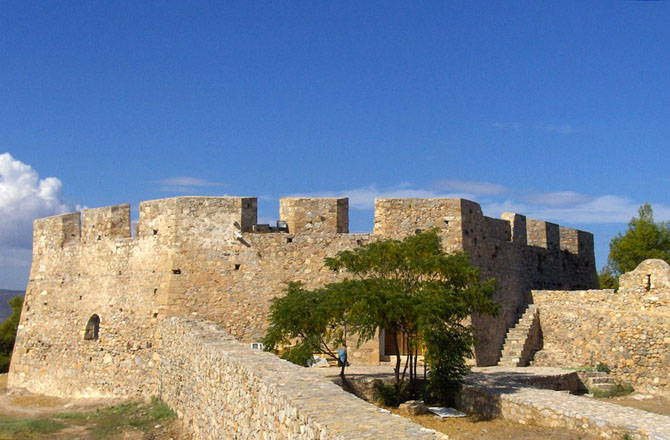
{"type": "Point", "coordinates": [646, 402]}
{"type": "Point", "coordinates": [471, 428]}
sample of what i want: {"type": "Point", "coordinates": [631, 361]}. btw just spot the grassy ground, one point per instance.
{"type": "Point", "coordinates": [27, 416]}
{"type": "Point", "coordinates": [133, 420]}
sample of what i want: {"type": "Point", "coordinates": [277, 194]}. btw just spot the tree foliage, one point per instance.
{"type": "Point", "coordinates": [410, 288]}
{"type": "Point", "coordinates": [306, 322]}
{"type": "Point", "coordinates": [8, 333]}
{"type": "Point", "coordinates": [643, 239]}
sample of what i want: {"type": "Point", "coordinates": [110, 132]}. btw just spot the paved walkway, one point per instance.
{"type": "Point", "coordinates": [517, 395]}
{"type": "Point", "coordinates": [527, 395]}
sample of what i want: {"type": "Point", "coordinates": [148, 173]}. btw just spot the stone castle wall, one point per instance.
{"type": "Point", "coordinates": [200, 257]}
{"type": "Point", "coordinates": [628, 330]}
{"type": "Point", "coordinates": [223, 389]}
{"type": "Point", "coordinates": [85, 266]}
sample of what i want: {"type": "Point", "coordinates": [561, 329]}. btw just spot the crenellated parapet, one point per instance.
{"type": "Point", "coordinates": [460, 222]}
{"type": "Point", "coordinates": [463, 222]}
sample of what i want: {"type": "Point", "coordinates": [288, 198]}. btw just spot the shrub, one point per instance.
{"type": "Point", "coordinates": [389, 394]}
{"type": "Point", "coordinates": [620, 389]}
{"type": "Point", "coordinates": [603, 368]}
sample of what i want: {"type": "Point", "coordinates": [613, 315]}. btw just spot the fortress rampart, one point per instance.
{"type": "Point", "coordinates": [628, 330]}
{"type": "Point", "coordinates": [207, 258]}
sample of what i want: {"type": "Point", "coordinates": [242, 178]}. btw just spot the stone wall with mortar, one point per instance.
{"type": "Point", "coordinates": [628, 330]}
{"type": "Point", "coordinates": [200, 257]}
{"type": "Point", "coordinates": [223, 389]}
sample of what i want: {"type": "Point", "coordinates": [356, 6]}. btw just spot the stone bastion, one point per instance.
{"type": "Point", "coordinates": [97, 293]}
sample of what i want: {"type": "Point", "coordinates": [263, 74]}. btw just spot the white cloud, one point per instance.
{"type": "Point", "coordinates": [23, 198]}
{"type": "Point", "coordinates": [185, 184]}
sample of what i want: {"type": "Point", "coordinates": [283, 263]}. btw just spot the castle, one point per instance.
{"type": "Point", "coordinates": [172, 310]}
{"type": "Point", "coordinates": [96, 293]}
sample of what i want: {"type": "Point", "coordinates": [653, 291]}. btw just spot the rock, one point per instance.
{"type": "Point", "coordinates": [413, 408]}
{"type": "Point", "coordinates": [320, 362]}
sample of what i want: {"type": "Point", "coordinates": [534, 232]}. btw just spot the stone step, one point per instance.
{"type": "Point", "coordinates": [522, 327]}
{"type": "Point", "coordinates": [512, 352]}
{"type": "Point", "coordinates": [512, 355]}
{"type": "Point", "coordinates": [601, 380]}
{"type": "Point", "coordinates": [604, 386]}
{"type": "Point", "coordinates": [514, 341]}
{"type": "Point", "coordinates": [514, 344]}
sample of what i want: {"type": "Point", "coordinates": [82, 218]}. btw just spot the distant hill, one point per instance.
{"type": "Point", "coordinates": [6, 295]}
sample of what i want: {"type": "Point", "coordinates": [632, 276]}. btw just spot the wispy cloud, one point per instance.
{"type": "Point", "coordinates": [557, 198]}
{"type": "Point", "coordinates": [471, 187]}
{"type": "Point", "coordinates": [185, 184]}
{"type": "Point", "coordinates": [559, 128]}
{"type": "Point", "coordinates": [566, 207]}
{"type": "Point", "coordinates": [509, 126]}
{"type": "Point", "coordinates": [550, 128]}
{"type": "Point", "coordinates": [364, 197]}
{"type": "Point", "coordinates": [570, 207]}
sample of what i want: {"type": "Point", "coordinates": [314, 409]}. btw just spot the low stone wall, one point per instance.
{"type": "Point", "coordinates": [524, 405]}
{"type": "Point", "coordinates": [629, 333]}
{"type": "Point", "coordinates": [222, 389]}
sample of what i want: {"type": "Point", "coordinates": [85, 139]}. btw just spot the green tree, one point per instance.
{"type": "Point", "coordinates": [643, 239]}
{"type": "Point", "coordinates": [304, 322]}
{"type": "Point", "coordinates": [8, 333]}
{"type": "Point", "coordinates": [409, 288]}
{"type": "Point", "coordinates": [607, 279]}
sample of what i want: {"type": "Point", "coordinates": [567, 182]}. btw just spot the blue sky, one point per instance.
{"type": "Point", "coordinates": [556, 110]}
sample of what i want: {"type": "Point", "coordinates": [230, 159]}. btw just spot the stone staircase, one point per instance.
{"type": "Point", "coordinates": [522, 340]}
{"type": "Point", "coordinates": [599, 380]}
